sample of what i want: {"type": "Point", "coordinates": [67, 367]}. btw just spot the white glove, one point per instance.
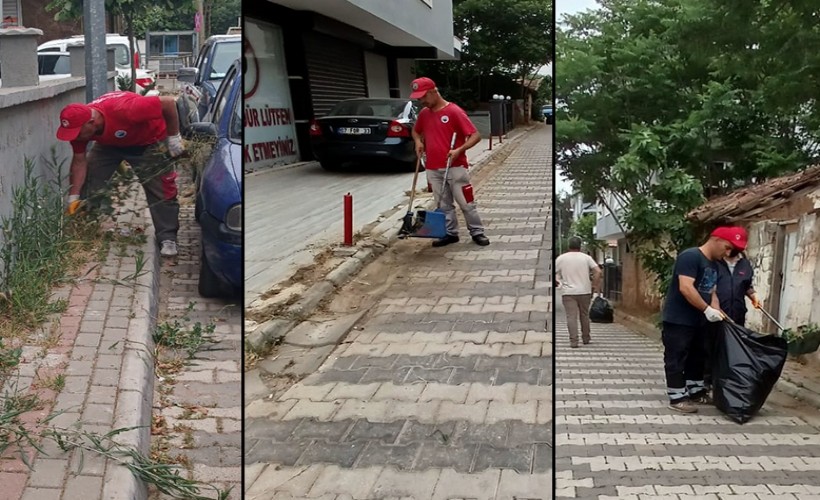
{"type": "Point", "coordinates": [175, 146]}
{"type": "Point", "coordinates": [712, 314]}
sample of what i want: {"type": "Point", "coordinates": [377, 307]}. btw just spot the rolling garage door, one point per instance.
{"type": "Point", "coordinates": [335, 70]}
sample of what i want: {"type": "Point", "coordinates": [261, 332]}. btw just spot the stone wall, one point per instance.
{"type": "Point", "coordinates": [29, 118]}
{"type": "Point", "coordinates": [639, 291]}
{"type": "Point", "coordinates": [761, 253]}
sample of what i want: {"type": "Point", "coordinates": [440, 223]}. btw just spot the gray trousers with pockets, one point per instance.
{"type": "Point", "coordinates": [457, 178]}
{"type": "Point", "coordinates": [153, 168]}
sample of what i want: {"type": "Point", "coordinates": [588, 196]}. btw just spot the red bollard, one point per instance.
{"type": "Point", "coordinates": [348, 207]}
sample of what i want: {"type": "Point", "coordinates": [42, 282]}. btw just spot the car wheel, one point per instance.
{"type": "Point", "coordinates": [330, 165]}
{"type": "Point", "coordinates": [209, 285]}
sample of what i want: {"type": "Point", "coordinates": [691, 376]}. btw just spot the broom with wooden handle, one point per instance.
{"type": "Point", "coordinates": [407, 226]}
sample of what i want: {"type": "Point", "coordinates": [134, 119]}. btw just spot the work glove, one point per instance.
{"type": "Point", "coordinates": [175, 145]}
{"type": "Point", "coordinates": [73, 204]}
{"type": "Point", "coordinates": [755, 301]}
{"type": "Point", "coordinates": [712, 314]}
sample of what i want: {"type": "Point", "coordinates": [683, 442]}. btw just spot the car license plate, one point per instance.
{"type": "Point", "coordinates": [354, 130]}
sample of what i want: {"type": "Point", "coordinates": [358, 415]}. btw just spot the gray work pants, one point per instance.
{"type": "Point", "coordinates": [457, 178]}
{"type": "Point", "coordinates": [155, 172]}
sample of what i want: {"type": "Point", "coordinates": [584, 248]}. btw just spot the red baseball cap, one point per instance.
{"type": "Point", "coordinates": [421, 86]}
{"type": "Point", "coordinates": [72, 119]}
{"type": "Point", "coordinates": [733, 234]}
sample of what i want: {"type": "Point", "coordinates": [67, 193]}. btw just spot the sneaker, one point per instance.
{"type": "Point", "coordinates": [168, 248]}
{"type": "Point", "coordinates": [587, 341]}
{"type": "Point", "coordinates": [450, 238]}
{"type": "Point", "coordinates": [702, 399]}
{"type": "Point", "coordinates": [683, 406]}
{"type": "Point", "coordinates": [481, 240]}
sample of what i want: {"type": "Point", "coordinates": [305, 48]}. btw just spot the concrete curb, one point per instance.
{"type": "Point", "coordinates": [135, 391]}
{"type": "Point", "coordinates": [785, 384]}
{"type": "Point", "coordinates": [384, 235]}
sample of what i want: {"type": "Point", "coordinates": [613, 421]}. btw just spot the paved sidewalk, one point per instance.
{"type": "Point", "coordinates": [616, 438]}
{"type": "Point", "coordinates": [97, 347]}
{"type": "Point", "coordinates": [444, 390]}
{"type": "Point", "coordinates": [200, 406]}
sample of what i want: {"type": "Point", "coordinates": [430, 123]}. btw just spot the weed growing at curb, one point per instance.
{"type": "Point", "coordinates": [55, 383]}
{"type": "Point", "coordinates": [35, 251]}
{"type": "Point", "coordinates": [9, 359]}
{"type": "Point", "coordinates": [174, 335]}
{"type": "Point", "coordinates": [177, 342]}
{"type": "Point", "coordinates": [39, 248]}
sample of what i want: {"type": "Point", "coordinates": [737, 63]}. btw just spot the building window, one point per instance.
{"type": "Point", "coordinates": [10, 14]}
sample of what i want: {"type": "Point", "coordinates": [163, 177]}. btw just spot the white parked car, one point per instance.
{"type": "Point", "coordinates": [122, 57]}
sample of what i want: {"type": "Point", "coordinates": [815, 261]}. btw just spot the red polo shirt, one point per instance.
{"type": "Point", "coordinates": [130, 120]}
{"type": "Point", "coordinates": [437, 127]}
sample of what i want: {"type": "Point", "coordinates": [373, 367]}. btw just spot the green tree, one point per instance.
{"type": "Point", "coordinates": [494, 60]}
{"type": "Point", "coordinates": [222, 14]}
{"type": "Point", "coordinates": [563, 221]}
{"type": "Point", "coordinates": [584, 228]}
{"type": "Point", "coordinates": [666, 102]}
{"type": "Point", "coordinates": [509, 36]}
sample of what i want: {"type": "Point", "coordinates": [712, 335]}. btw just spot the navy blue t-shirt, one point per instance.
{"type": "Point", "coordinates": [692, 263]}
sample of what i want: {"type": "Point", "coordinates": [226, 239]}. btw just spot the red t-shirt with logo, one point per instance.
{"type": "Point", "coordinates": [437, 127]}
{"type": "Point", "coordinates": [130, 120]}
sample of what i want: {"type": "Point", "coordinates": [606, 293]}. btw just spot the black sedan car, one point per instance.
{"type": "Point", "coordinates": [366, 131]}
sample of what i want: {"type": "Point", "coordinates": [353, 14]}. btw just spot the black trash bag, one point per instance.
{"type": "Point", "coordinates": [745, 367]}
{"type": "Point", "coordinates": [601, 311]}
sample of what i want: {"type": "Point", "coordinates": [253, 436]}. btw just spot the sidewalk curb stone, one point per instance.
{"type": "Point", "coordinates": [385, 234]}
{"type": "Point", "coordinates": [134, 402]}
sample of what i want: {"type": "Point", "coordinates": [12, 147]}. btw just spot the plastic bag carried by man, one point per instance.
{"type": "Point", "coordinates": [745, 365]}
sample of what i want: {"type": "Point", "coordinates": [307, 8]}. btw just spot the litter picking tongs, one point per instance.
{"type": "Point", "coordinates": [765, 313]}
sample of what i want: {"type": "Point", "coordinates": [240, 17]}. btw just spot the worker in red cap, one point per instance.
{"type": "Point", "coordinates": [691, 303]}
{"type": "Point", "coordinates": [734, 285]}
{"type": "Point", "coordinates": [141, 130]}
{"type": "Point", "coordinates": [433, 133]}
{"type": "Point", "coordinates": [735, 275]}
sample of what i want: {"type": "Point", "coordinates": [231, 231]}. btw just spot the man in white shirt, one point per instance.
{"type": "Point", "coordinates": [578, 276]}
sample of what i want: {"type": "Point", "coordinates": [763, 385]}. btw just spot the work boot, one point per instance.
{"type": "Point", "coordinates": [683, 406]}
{"type": "Point", "coordinates": [450, 238]}
{"type": "Point", "coordinates": [481, 240]}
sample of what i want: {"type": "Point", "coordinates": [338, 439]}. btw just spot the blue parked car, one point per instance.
{"type": "Point", "coordinates": [215, 57]}
{"type": "Point", "coordinates": [219, 192]}
{"type": "Point", "coordinates": [547, 111]}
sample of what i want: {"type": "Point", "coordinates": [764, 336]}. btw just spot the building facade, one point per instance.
{"type": "Point", "coordinates": [304, 57]}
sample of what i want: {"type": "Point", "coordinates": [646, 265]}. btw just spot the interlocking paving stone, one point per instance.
{"type": "Point", "coordinates": [343, 454]}
{"type": "Point", "coordinates": [428, 384]}
{"type": "Point", "coordinates": [401, 456]}
{"type": "Point", "coordinates": [439, 368]}
{"type": "Point", "coordinates": [440, 456]}
{"type": "Point", "coordinates": [620, 442]}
